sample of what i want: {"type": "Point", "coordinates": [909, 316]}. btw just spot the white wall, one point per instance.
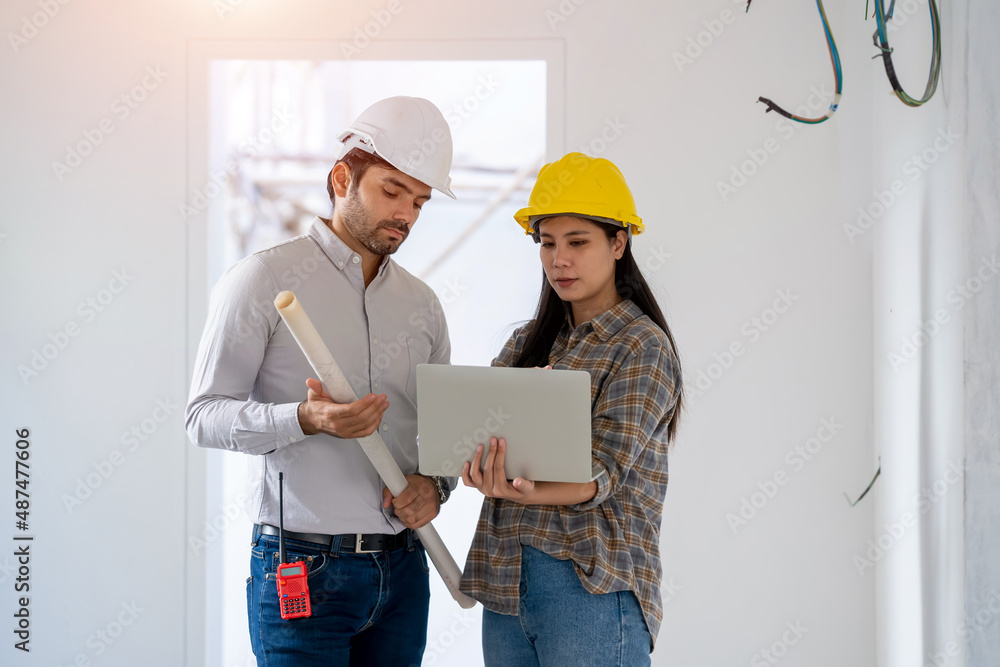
{"type": "Point", "coordinates": [982, 348]}
{"type": "Point", "coordinates": [682, 129]}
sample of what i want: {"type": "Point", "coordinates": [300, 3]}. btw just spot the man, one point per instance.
{"type": "Point", "coordinates": [368, 577]}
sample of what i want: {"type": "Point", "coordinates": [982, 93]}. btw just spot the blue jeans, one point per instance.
{"type": "Point", "coordinates": [367, 609]}
{"type": "Point", "coordinates": [560, 624]}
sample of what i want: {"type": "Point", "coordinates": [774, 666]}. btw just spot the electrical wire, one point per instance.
{"type": "Point", "coordinates": [864, 493]}
{"type": "Point", "coordinates": [881, 41]}
{"type": "Point", "coordinates": [837, 73]}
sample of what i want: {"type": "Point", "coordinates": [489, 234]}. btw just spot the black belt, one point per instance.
{"type": "Point", "coordinates": [352, 543]}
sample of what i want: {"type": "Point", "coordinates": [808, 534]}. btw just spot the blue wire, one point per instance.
{"type": "Point", "coordinates": [833, 47]}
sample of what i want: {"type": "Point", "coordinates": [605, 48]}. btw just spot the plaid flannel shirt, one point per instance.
{"type": "Point", "coordinates": [613, 539]}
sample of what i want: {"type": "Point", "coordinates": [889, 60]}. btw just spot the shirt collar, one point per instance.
{"type": "Point", "coordinates": [614, 319]}
{"type": "Point", "coordinates": [339, 252]}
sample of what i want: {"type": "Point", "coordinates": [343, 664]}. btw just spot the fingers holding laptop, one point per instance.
{"type": "Point", "coordinates": [492, 480]}
{"type": "Point", "coordinates": [318, 413]}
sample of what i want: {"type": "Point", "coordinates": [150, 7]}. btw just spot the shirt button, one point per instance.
{"type": "Point", "coordinates": [375, 341]}
{"type": "Point", "coordinates": [385, 427]}
{"type": "Point", "coordinates": [355, 259]}
{"type": "Point", "coordinates": [340, 263]}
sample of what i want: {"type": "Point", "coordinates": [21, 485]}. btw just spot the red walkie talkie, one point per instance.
{"type": "Point", "coordinates": [293, 578]}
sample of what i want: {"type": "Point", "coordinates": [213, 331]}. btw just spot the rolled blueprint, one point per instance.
{"type": "Point", "coordinates": [340, 390]}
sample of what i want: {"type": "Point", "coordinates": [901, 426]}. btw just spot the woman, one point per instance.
{"type": "Point", "coordinates": [569, 574]}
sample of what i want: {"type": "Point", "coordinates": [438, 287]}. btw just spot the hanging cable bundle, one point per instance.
{"type": "Point", "coordinates": [881, 41]}
{"type": "Point", "coordinates": [837, 73]}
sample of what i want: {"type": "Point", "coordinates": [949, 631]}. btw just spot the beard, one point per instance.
{"type": "Point", "coordinates": [359, 223]}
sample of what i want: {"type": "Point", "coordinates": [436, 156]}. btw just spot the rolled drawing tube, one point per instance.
{"type": "Point", "coordinates": [340, 390]}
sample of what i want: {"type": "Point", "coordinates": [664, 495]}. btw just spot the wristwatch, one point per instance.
{"type": "Point", "coordinates": [444, 491]}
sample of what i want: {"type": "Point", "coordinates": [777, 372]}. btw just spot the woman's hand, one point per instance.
{"type": "Point", "coordinates": [492, 481]}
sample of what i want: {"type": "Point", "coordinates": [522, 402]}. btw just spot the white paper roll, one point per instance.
{"type": "Point", "coordinates": [340, 390]}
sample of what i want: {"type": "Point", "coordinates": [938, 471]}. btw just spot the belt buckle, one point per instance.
{"type": "Point", "coordinates": [357, 546]}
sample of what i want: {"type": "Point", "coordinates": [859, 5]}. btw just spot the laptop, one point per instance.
{"type": "Point", "coordinates": [543, 414]}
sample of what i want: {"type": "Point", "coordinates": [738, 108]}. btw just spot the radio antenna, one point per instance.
{"type": "Point", "coordinates": [281, 515]}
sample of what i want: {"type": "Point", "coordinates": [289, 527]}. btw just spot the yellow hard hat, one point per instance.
{"type": "Point", "coordinates": [577, 184]}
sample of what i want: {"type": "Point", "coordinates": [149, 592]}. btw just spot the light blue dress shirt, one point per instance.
{"type": "Point", "coordinates": [249, 378]}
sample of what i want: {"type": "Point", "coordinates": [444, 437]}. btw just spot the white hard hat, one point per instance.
{"type": "Point", "coordinates": [409, 133]}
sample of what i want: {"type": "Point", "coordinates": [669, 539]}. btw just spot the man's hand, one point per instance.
{"type": "Point", "coordinates": [319, 414]}
{"type": "Point", "coordinates": [492, 480]}
{"type": "Point", "coordinates": [418, 504]}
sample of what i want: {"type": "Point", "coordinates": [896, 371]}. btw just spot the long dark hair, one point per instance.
{"type": "Point", "coordinates": [552, 311]}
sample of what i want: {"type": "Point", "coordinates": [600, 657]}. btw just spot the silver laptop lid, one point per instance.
{"type": "Point", "coordinates": [544, 415]}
